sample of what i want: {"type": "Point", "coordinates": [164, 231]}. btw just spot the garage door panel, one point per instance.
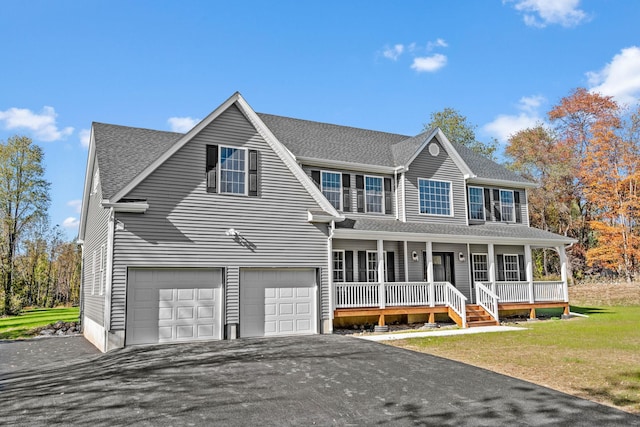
{"type": "Point", "coordinates": [180, 305]}
{"type": "Point", "coordinates": [277, 302]}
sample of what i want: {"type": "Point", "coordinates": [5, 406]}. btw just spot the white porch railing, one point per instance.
{"type": "Point", "coordinates": [548, 291]}
{"type": "Point", "coordinates": [522, 291]}
{"type": "Point", "coordinates": [457, 302]}
{"type": "Point", "coordinates": [512, 291]}
{"type": "Point", "coordinates": [407, 294]}
{"type": "Point", "coordinates": [357, 294]}
{"type": "Point", "coordinates": [396, 294]}
{"type": "Point", "coordinates": [487, 300]}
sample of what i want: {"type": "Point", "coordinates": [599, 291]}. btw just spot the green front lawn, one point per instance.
{"type": "Point", "coordinates": [21, 326]}
{"type": "Point", "coordinates": [597, 358]}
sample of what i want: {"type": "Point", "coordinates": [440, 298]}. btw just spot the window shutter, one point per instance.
{"type": "Point", "coordinates": [348, 266]}
{"type": "Point", "coordinates": [487, 204]}
{"type": "Point", "coordinates": [315, 176]}
{"type": "Point", "coordinates": [496, 205]}
{"type": "Point", "coordinates": [360, 192]}
{"type": "Point", "coordinates": [387, 196]}
{"type": "Point", "coordinates": [500, 268]}
{"type": "Point", "coordinates": [346, 192]}
{"type": "Point", "coordinates": [523, 272]}
{"type": "Point", "coordinates": [253, 173]}
{"type": "Point", "coordinates": [212, 166]}
{"type": "Point", "coordinates": [391, 271]}
{"type": "Point", "coordinates": [362, 266]}
{"type": "Point", "coordinates": [516, 200]}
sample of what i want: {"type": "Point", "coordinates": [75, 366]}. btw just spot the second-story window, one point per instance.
{"type": "Point", "coordinates": [476, 203]}
{"type": "Point", "coordinates": [435, 197]}
{"type": "Point", "coordinates": [332, 188]}
{"type": "Point", "coordinates": [232, 170]}
{"type": "Point", "coordinates": [507, 206]}
{"type": "Point", "coordinates": [373, 194]}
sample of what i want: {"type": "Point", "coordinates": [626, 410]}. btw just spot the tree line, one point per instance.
{"type": "Point", "coordinates": [37, 266]}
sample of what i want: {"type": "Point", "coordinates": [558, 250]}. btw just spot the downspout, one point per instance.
{"type": "Point", "coordinates": [109, 275]}
{"type": "Point", "coordinates": [395, 178]}
{"type": "Point", "coordinates": [81, 302]}
{"type": "Point", "coordinates": [332, 226]}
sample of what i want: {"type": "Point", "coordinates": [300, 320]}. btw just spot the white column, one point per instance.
{"type": "Point", "coordinates": [528, 265]}
{"type": "Point", "coordinates": [429, 262]}
{"type": "Point", "coordinates": [491, 255]}
{"type": "Point", "coordinates": [563, 272]}
{"type": "Point", "coordinates": [381, 261]}
{"type": "Point", "coordinates": [406, 262]}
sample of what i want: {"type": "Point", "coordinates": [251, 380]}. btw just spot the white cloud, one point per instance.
{"type": "Point", "coordinates": [182, 124]}
{"type": "Point", "coordinates": [394, 52]}
{"type": "Point", "coordinates": [75, 204]}
{"type": "Point", "coordinates": [540, 13]}
{"type": "Point", "coordinates": [84, 135]}
{"type": "Point", "coordinates": [42, 125]}
{"type": "Point", "coordinates": [429, 64]}
{"type": "Point", "coordinates": [620, 78]}
{"type": "Point", "coordinates": [505, 125]}
{"type": "Point", "coordinates": [71, 222]}
{"type": "Point", "coordinates": [438, 43]}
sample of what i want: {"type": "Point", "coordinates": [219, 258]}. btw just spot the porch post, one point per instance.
{"type": "Point", "coordinates": [492, 266]}
{"type": "Point", "coordinates": [429, 260]}
{"type": "Point", "coordinates": [406, 262]}
{"type": "Point", "coordinates": [529, 271]}
{"type": "Point", "coordinates": [563, 272]}
{"type": "Point", "coordinates": [381, 260]}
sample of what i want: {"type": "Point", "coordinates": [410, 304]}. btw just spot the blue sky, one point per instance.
{"type": "Point", "coordinates": [369, 64]}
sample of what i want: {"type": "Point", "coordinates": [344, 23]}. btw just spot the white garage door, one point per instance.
{"type": "Point", "coordinates": [277, 302]}
{"type": "Point", "coordinates": [169, 305]}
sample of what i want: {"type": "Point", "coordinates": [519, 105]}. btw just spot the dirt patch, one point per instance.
{"type": "Point", "coordinates": [605, 294]}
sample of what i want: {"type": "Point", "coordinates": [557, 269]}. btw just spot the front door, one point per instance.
{"type": "Point", "coordinates": [442, 267]}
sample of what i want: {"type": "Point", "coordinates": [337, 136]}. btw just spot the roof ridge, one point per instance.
{"type": "Point", "coordinates": [136, 128]}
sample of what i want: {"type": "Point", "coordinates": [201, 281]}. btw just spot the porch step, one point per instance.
{"type": "Point", "coordinates": [478, 316]}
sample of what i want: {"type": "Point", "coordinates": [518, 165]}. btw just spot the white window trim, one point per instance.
{"type": "Point", "coordinates": [513, 207]}
{"type": "Point", "coordinates": [386, 276]}
{"type": "Point", "coordinates": [94, 272]}
{"type": "Point", "coordinates": [341, 186]}
{"type": "Point", "coordinates": [344, 267]}
{"type": "Point", "coordinates": [504, 266]}
{"type": "Point", "coordinates": [246, 170]}
{"type": "Point", "coordinates": [484, 217]}
{"type": "Point", "coordinates": [473, 255]}
{"type": "Point", "coordinates": [382, 204]}
{"type": "Point", "coordinates": [450, 198]}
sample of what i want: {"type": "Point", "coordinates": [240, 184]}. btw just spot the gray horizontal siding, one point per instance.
{"type": "Point", "coordinates": [232, 295]}
{"type": "Point", "coordinates": [441, 168]}
{"type": "Point", "coordinates": [371, 245]}
{"type": "Point", "coordinates": [95, 236]}
{"type": "Point", "coordinates": [185, 226]}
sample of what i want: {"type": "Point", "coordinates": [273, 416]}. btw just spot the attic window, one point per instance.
{"type": "Point", "coordinates": [232, 170]}
{"type": "Point", "coordinates": [434, 149]}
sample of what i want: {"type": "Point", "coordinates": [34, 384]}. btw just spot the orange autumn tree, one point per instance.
{"type": "Point", "coordinates": [606, 159]}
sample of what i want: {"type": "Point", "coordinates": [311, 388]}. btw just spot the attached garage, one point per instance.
{"type": "Point", "coordinates": [173, 305]}
{"type": "Point", "coordinates": [278, 302]}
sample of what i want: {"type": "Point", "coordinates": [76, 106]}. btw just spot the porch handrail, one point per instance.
{"type": "Point", "coordinates": [457, 302]}
{"type": "Point", "coordinates": [407, 294]}
{"type": "Point", "coordinates": [516, 291]}
{"type": "Point", "coordinates": [487, 300]}
{"type": "Point", "coordinates": [356, 294]}
{"type": "Point", "coordinates": [548, 291]}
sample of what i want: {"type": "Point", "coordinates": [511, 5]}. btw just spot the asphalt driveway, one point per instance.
{"type": "Point", "coordinates": [319, 380]}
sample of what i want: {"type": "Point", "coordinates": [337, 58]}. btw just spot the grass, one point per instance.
{"type": "Point", "coordinates": [596, 358]}
{"type": "Point", "coordinates": [22, 326]}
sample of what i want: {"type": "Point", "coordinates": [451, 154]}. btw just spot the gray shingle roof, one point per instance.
{"type": "Point", "coordinates": [484, 231]}
{"type": "Point", "coordinates": [123, 152]}
{"type": "Point", "coordinates": [485, 168]}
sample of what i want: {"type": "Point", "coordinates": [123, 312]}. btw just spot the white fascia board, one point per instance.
{"type": "Point", "coordinates": [350, 166]}
{"type": "Point", "coordinates": [286, 156]}
{"type": "Point", "coordinates": [311, 217]}
{"type": "Point", "coordinates": [129, 207]}
{"type": "Point", "coordinates": [444, 141]}
{"type": "Point", "coordinates": [91, 160]}
{"type": "Point", "coordinates": [502, 183]}
{"type": "Point", "coordinates": [341, 233]}
{"type": "Point", "coordinates": [176, 146]}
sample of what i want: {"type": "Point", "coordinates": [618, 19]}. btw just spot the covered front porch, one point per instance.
{"type": "Point", "coordinates": [472, 283]}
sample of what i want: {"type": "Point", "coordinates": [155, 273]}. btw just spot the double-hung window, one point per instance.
{"type": "Point", "coordinates": [338, 266]}
{"type": "Point", "coordinates": [331, 184]}
{"type": "Point", "coordinates": [374, 194]}
{"type": "Point", "coordinates": [480, 267]}
{"type": "Point", "coordinates": [507, 206]}
{"type": "Point", "coordinates": [233, 170]}
{"type": "Point", "coordinates": [511, 268]}
{"type": "Point", "coordinates": [476, 203]}
{"type": "Point", "coordinates": [372, 266]}
{"type": "Point", "coordinates": [435, 197]}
